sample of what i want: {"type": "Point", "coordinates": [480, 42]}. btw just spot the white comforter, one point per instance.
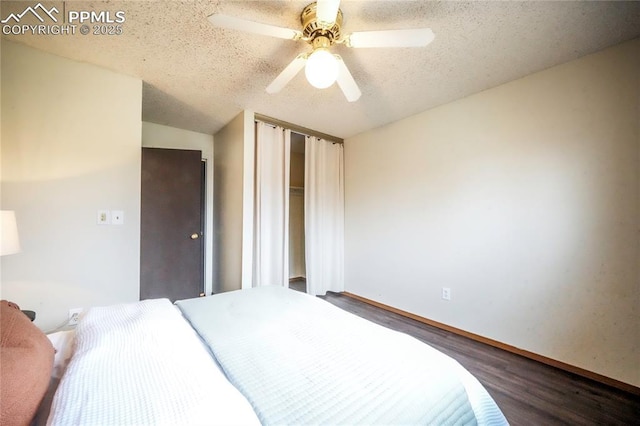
{"type": "Point", "coordinates": [300, 360]}
{"type": "Point", "coordinates": [142, 364]}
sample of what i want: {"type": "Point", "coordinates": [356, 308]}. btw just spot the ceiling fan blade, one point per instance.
{"type": "Point", "coordinates": [326, 12]}
{"type": "Point", "coordinates": [287, 74]}
{"type": "Point", "coordinates": [391, 38]}
{"type": "Point", "coordinates": [233, 23]}
{"type": "Point", "coordinates": [346, 82]}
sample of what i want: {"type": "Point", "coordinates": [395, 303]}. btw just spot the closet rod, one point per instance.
{"type": "Point", "coordinates": [297, 129]}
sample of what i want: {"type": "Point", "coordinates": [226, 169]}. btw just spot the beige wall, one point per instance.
{"type": "Point", "coordinates": [228, 169]}
{"type": "Point", "coordinates": [524, 200]}
{"type": "Point", "coordinates": [70, 147]}
{"type": "Point", "coordinates": [159, 136]}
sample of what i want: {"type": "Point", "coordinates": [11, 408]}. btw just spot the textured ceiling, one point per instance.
{"type": "Point", "coordinates": [198, 77]}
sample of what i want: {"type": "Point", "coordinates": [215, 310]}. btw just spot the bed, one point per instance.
{"type": "Point", "coordinates": [267, 355]}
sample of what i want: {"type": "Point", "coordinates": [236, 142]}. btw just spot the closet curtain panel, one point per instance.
{"type": "Point", "coordinates": [271, 227]}
{"type": "Point", "coordinates": [324, 216]}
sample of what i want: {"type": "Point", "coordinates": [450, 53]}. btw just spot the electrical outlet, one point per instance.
{"type": "Point", "coordinates": [74, 316]}
{"type": "Point", "coordinates": [446, 293]}
{"type": "Point", "coordinates": [104, 217]}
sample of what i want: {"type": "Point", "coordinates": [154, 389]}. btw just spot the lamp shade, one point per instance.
{"type": "Point", "coordinates": [9, 242]}
{"type": "Point", "coordinates": [321, 69]}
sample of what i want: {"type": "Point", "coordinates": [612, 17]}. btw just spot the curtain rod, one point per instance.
{"type": "Point", "coordinates": [297, 129]}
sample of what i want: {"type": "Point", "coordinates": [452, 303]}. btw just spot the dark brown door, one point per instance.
{"type": "Point", "coordinates": [171, 232]}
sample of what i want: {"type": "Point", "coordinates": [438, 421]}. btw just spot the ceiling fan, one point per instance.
{"type": "Point", "coordinates": [321, 28]}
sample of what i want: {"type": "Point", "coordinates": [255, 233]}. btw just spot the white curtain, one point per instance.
{"type": "Point", "coordinates": [271, 228]}
{"type": "Point", "coordinates": [324, 216]}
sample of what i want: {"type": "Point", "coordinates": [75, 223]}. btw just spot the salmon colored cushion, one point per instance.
{"type": "Point", "coordinates": [26, 362]}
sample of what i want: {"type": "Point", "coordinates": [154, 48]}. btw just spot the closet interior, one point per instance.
{"type": "Point", "coordinates": [297, 270]}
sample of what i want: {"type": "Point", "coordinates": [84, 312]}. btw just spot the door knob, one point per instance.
{"type": "Point", "coordinates": [195, 236]}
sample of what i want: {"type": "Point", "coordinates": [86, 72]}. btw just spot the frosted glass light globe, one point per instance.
{"type": "Point", "coordinates": [321, 69]}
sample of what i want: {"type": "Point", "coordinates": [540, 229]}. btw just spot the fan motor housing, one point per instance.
{"type": "Point", "coordinates": [311, 28]}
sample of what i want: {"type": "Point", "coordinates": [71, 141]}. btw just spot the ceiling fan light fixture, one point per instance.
{"type": "Point", "coordinates": [321, 28]}
{"type": "Point", "coordinates": [321, 68]}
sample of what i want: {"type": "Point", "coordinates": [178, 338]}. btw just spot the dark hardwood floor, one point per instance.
{"type": "Point", "coordinates": [298, 285]}
{"type": "Point", "coordinates": [527, 392]}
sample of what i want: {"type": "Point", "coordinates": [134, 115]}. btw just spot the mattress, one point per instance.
{"type": "Point", "coordinates": [300, 360]}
